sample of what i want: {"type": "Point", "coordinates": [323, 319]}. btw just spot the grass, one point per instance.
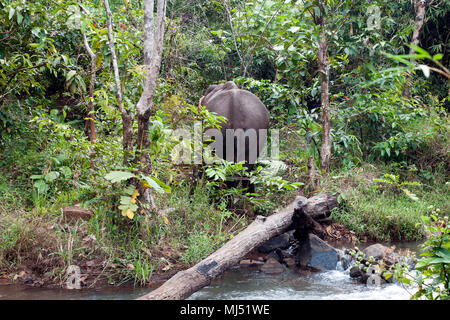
{"type": "Point", "coordinates": [386, 213]}
{"type": "Point", "coordinates": [118, 250]}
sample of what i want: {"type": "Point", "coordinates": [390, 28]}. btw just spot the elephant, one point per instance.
{"type": "Point", "coordinates": [246, 115]}
{"type": "Point", "coordinates": [244, 111]}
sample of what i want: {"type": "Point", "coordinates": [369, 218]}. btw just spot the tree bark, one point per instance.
{"type": "Point", "coordinates": [319, 207]}
{"type": "Point", "coordinates": [90, 124]}
{"type": "Point", "coordinates": [185, 283]}
{"type": "Point", "coordinates": [420, 7]}
{"type": "Point", "coordinates": [324, 67]}
{"type": "Point", "coordinates": [153, 48]}
{"type": "Point", "coordinates": [127, 121]}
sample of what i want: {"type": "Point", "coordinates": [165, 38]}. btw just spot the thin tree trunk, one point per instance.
{"type": "Point", "coordinates": [420, 7]}
{"type": "Point", "coordinates": [127, 121]}
{"type": "Point", "coordinates": [153, 47]}
{"type": "Point", "coordinates": [153, 44]}
{"type": "Point", "coordinates": [324, 66]}
{"type": "Point", "coordinates": [90, 124]}
{"type": "Point", "coordinates": [233, 34]}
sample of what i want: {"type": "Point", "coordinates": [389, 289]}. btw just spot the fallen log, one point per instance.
{"type": "Point", "coordinates": [319, 207]}
{"type": "Point", "coordinates": [185, 283]}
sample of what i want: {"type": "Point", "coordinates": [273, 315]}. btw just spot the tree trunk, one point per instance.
{"type": "Point", "coordinates": [127, 121]}
{"type": "Point", "coordinates": [185, 283]}
{"type": "Point", "coordinates": [153, 47]}
{"type": "Point", "coordinates": [90, 124]}
{"type": "Point", "coordinates": [420, 7]}
{"type": "Point", "coordinates": [311, 173]}
{"type": "Point", "coordinates": [324, 67]}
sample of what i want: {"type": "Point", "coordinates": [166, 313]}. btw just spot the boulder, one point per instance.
{"type": "Point", "coordinates": [76, 212]}
{"type": "Point", "coordinates": [316, 253]}
{"type": "Point", "coordinates": [279, 242]}
{"type": "Point", "coordinates": [378, 251]}
{"type": "Point", "coordinates": [355, 272]}
{"type": "Point", "coordinates": [272, 266]}
{"type": "Point", "coordinates": [323, 256]}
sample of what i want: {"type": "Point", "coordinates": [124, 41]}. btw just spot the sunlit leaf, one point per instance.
{"type": "Point", "coordinates": [117, 176]}
{"type": "Point", "coordinates": [425, 69]}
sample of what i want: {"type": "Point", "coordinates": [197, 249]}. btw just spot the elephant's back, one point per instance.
{"type": "Point", "coordinates": [242, 108]}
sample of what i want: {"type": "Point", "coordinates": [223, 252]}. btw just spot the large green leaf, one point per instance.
{"type": "Point", "coordinates": [41, 186]}
{"type": "Point", "coordinates": [70, 75]}
{"type": "Point", "coordinates": [156, 184]}
{"type": "Point", "coordinates": [443, 253]}
{"type": "Point", "coordinates": [51, 176]}
{"type": "Point", "coordinates": [11, 12]}
{"type": "Point", "coordinates": [426, 262]}
{"type": "Point", "coordinates": [164, 186]}
{"type": "Point", "coordinates": [117, 176]}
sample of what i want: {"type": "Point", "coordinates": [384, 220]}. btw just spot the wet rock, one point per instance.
{"type": "Point", "coordinates": [276, 254]}
{"type": "Point", "coordinates": [378, 251]}
{"type": "Point", "coordinates": [315, 253]}
{"type": "Point", "coordinates": [355, 272]}
{"type": "Point", "coordinates": [75, 212]}
{"type": "Point", "coordinates": [364, 277]}
{"type": "Point", "coordinates": [291, 236]}
{"type": "Point", "coordinates": [279, 242]}
{"type": "Point", "coordinates": [323, 256]}
{"type": "Point", "coordinates": [373, 280]}
{"type": "Point", "coordinates": [290, 263]}
{"type": "Point", "coordinates": [272, 266]}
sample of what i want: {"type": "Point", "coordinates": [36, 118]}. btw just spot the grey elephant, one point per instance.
{"type": "Point", "coordinates": [244, 111]}
{"type": "Point", "coordinates": [246, 115]}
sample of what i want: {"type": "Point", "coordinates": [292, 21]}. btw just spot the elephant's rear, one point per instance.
{"type": "Point", "coordinates": [242, 108]}
{"type": "Point", "coordinates": [247, 117]}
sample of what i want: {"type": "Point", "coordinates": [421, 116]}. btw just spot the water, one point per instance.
{"type": "Point", "coordinates": [326, 285]}
{"type": "Point", "coordinates": [249, 284]}
{"type": "Point", "coordinates": [22, 292]}
{"type": "Point", "coordinates": [238, 283]}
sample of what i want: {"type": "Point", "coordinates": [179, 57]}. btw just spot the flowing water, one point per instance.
{"type": "Point", "coordinates": [238, 283]}
{"type": "Point", "coordinates": [328, 285]}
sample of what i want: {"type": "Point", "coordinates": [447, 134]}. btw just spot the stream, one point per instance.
{"type": "Point", "coordinates": [239, 284]}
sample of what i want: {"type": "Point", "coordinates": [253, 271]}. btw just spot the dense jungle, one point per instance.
{"type": "Point", "coordinates": [93, 92]}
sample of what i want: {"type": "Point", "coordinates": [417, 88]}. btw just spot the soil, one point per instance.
{"type": "Point", "coordinates": [91, 277]}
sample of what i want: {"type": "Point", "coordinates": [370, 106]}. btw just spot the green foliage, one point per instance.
{"type": "Point", "coordinates": [282, 101]}
{"type": "Point", "coordinates": [378, 209]}
{"type": "Point", "coordinates": [432, 276]}
{"type": "Point", "coordinates": [392, 181]}
{"type": "Point", "coordinates": [128, 200]}
{"type": "Point", "coordinates": [266, 176]}
{"type": "Point", "coordinates": [210, 119]}
{"type": "Point", "coordinates": [266, 47]}
{"type": "Point", "coordinates": [199, 247]}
